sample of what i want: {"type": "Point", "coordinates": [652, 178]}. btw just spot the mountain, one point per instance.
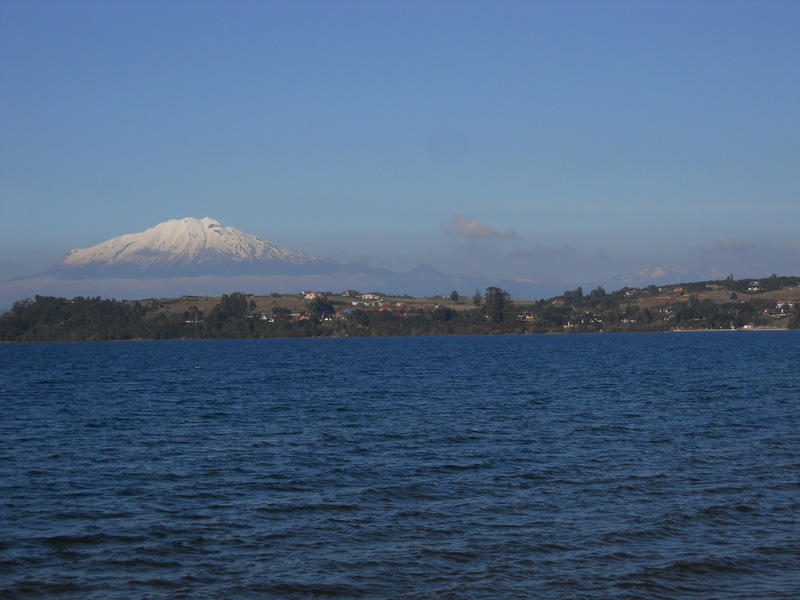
{"type": "Point", "coordinates": [201, 257]}
{"type": "Point", "coordinates": [184, 248]}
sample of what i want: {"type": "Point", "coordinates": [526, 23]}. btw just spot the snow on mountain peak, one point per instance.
{"type": "Point", "coordinates": [182, 242]}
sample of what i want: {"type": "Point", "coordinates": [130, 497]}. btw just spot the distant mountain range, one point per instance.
{"type": "Point", "coordinates": [201, 256]}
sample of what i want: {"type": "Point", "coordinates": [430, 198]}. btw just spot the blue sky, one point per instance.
{"type": "Point", "coordinates": [566, 142]}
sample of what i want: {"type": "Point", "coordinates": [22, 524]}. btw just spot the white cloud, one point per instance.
{"type": "Point", "coordinates": [529, 280]}
{"type": "Point", "coordinates": [732, 244]}
{"type": "Point", "coordinates": [472, 228]}
{"type": "Point", "coordinates": [653, 272]}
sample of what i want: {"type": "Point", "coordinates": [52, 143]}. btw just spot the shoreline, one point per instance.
{"type": "Point", "coordinates": [558, 333]}
{"type": "Point", "coordinates": [741, 329]}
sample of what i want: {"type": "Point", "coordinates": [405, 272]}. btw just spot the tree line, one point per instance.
{"type": "Point", "coordinates": [47, 318]}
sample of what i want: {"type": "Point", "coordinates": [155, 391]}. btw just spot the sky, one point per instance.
{"type": "Point", "coordinates": [568, 142]}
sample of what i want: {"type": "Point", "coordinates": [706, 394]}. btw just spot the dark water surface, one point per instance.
{"type": "Point", "coordinates": [575, 466]}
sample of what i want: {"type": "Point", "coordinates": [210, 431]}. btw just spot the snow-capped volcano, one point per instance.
{"type": "Point", "coordinates": [191, 246]}
{"type": "Point", "coordinates": [181, 242]}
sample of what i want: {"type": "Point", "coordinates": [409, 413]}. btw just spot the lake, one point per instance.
{"type": "Point", "coordinates": [572, 466]}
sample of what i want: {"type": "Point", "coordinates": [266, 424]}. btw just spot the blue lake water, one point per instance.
{"type": "Point", "coordinates": [574, 466]}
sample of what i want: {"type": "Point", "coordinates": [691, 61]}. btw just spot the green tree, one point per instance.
{"type": "Point", "coordinates": [230, 307]}
{"type": "Point", "coordinates": [320, 306]}
{"type": "Point", "coordinates": [193, 314]}
{"type": "Point", "coordinates": [574, 297]}
{"type": "Point", "coordinates": [597, 293]}
{"type": "Point", "coordinates": [497, 304]}
{"type": "Point", "coordinates": [443, 313]}
{"type": "Point", "coordinates": [281, 313]}
{"type": "Point", "coordinates": [361, 317]}
{"type": "Point", "coordinates": [454, 296]}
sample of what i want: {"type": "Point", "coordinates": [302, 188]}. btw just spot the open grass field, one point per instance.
{"type": "Point", "coordinates": [297, 303]}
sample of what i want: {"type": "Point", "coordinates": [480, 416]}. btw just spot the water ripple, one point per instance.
{"type": "Point", "coordinates": [646, 466]}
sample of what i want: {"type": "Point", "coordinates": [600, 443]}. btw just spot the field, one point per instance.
{"type": "Point", "coordinates": [297, 303]}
